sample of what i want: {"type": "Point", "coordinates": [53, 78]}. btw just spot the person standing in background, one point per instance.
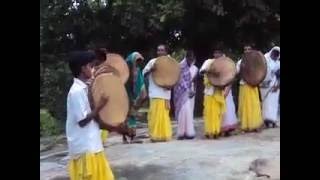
{"type": "Point", "coordinates": [269, 88]}
{"type": "Point", "coordinates": [135, 87]}
{"type": "Point", "coordinates": [183, 94]}
{"type": "Point", "coordinates": [194, 74]}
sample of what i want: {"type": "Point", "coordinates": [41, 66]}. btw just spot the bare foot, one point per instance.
{"type": "Point", "coordinates": [136, 141]}
{"type": "Point", "coordinates": [143, 136]}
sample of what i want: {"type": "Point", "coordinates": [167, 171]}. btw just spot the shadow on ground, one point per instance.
{"type": "Point", "coordinates": [133, 172]}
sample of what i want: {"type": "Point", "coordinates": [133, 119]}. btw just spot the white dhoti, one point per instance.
{"type": "Point", "coordinates": [185, 120]}
{"type": "Point", "coordinates": [192, 101]}
{"type": "Point", "coordinates": [193, 71]}
{"type": "Point", "coordinates": [230, 120]}
{"type": "Point", "coordinates": [270, 104]}
{"type": "Point", "coordinates": [270, 100]}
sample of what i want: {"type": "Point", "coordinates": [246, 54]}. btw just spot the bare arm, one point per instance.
{"type": "Point", "coordinates": [227, 90]}
{"type": "Point", "coordinates": [93, 114]}
{"type": "Point", "coordinates": [205, 66]}
{"type": "Point", "coordinates": [141, 99]}
{"type": "Point", "coordinates": [149, 67]}
{"type": "Point", "coordinates": [87, 119]}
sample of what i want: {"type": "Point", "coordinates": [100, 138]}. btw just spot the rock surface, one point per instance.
{"type": "Point", "coordinates": [240, 157]}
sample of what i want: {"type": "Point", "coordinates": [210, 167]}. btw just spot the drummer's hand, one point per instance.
{"type": "Point", "coordinates": [167, 88]}
{"type": "Point", "coordinates": [167, 104]}
{"type": "Point", "coordinates": [89, 82]}
{"type": "Point", "coordinates": [107, 127]}
{"type": "Point", "coordinates": [121, 128]}
{"type": "Point", "coordinates": [136, 106]}
{"type": "Point", "coordinates": [226, 91]}
{"type": "Point", "coordinates": [153, 69]}
{"type": "Point", "coordinates": [103, 101]}
{"type": "Point", "coordinates": [225, 94]}
{"type": "Point", "coordinates": [105, 69]}
{"type": "Point", "coordinates": [275, 88]}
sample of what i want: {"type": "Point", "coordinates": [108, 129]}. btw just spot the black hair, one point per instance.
{"type": "Point", "coordinates": [218, 47]}
{"type": "Point", "coordinates": [251, 44]}
{"type": "Point", "coordinates": [79, 59]}
{"type": "Point", "coordinates": [101, 53]}
{"type": "Point", "coordinates": [190, 53]}
{"type": "Point", "coordinates": [165, 47]}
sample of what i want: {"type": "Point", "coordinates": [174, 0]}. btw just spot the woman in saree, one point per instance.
{"type": "Point", "coordinates": [183, 99]}
{"type": "Point", "coordinates": [135, 88]}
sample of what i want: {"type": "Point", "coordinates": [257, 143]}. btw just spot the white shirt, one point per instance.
{"type": "Point", "coordinates": [205, 67]}
{"type": "Point", "coordinates": [154, 90]}
{"type": "Point", "coordinates": [81, 139]}
{"type": "Point", "coordinates": [272, 67]}
{"type": "Point", "coordinates": [193, 71]}
{"type": "Point", "coordinates": [242, 82]}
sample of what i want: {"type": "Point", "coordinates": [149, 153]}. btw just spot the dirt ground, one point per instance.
{"type": "Point", "coordinates": [239, 157]}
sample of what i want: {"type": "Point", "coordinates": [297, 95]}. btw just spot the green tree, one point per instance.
{"type": "Point", "coordinates": [126, 25]}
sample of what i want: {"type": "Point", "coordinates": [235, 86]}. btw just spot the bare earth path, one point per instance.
{"type": "Point", "coordinates": [199, 159]}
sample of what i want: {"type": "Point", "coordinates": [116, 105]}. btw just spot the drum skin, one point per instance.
{"type": "Point", "coordinates": [167, 72]}
{"type": "Point", "coordinates": [222, 72]}
{"type": "Point", "coordinates": [110, 86]}
{"type": "Point", "coordinates": [253, 68]}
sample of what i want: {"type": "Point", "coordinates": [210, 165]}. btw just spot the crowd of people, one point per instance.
{"type": "Point", "coordinates": [258, 106]}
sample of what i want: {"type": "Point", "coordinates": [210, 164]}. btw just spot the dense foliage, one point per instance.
{"type": "Point", "coordinates": [126, 25]}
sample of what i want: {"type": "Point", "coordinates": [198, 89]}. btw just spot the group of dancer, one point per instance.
{"type": "Point", "coordinates": [85, 140]}
{"type": "Point", "coordinates": [257, 107]}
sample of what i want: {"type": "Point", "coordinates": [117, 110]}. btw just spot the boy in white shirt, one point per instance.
{"type": "Point", "coordinates": [88, 160]}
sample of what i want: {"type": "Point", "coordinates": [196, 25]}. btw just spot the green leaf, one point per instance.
{"type": "Point", "coordinates": [162, 18]}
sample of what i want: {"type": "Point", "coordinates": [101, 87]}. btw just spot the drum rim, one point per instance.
{"type": "Point", "coordinates": [263, 77]}
{"type": "Point", "coordinates": [126, 78]}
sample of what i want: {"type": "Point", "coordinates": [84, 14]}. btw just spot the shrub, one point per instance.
{"type": "Point", "coordinates": [48, 124]}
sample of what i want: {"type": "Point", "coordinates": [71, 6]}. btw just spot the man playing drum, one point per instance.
{"type": "Point", "coordinates": [159, 123]}
{"type": "Point", "coordinates": [252, 70]}
{"type": "Point", "coordinates": [136, 89]}
{"type": "Point", "coordinates": [218, 114]}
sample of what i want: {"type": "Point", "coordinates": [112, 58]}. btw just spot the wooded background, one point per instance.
{"type": "Point", "coordinates": [123, 26]}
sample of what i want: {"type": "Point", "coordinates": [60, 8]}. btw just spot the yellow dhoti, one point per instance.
{"type": "Point", "coordinates": [104, 135]}
{"type": "Point", "coordinates": [249, 110]}
{"type": "Point", "coordinates": [214, 107]}
{"type": "Point", "coordinates": [159, 122]}
{"type": "Point", "coordinates": [90, 166]}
